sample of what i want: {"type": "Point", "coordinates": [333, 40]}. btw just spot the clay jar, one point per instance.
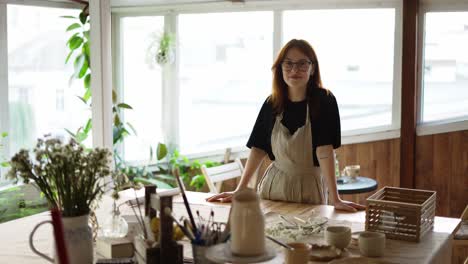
{"type": "Point", "coordinates": [247, 224]}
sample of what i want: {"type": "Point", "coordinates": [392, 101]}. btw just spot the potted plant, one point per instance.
{"type": "Point", "coordinates": [166, 48]}
{"type": "Point", "coordinates": [72, 179]}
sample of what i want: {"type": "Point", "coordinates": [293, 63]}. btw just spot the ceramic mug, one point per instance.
{"type": "Point", "coordinates": [338, 236]}
{"type": "Point", "coordinates": [352, 171]}
{"type": "Point", "coordinates": [78, 240]}
{"type": "Point", "coordinates": [371, 244]}
{"type": "Point", "coordinates": [247, 224]}
{"type": "Point", "coordinates": [300, 254]}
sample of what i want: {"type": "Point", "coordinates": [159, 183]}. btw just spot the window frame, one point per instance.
{"type": "Point", "coordinates": [450, 124]}
{"type": "Point", "coordinates": [171, 12]}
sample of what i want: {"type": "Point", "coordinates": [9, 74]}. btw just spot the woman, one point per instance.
{"type": "Point", "coordinates": [298, 127]}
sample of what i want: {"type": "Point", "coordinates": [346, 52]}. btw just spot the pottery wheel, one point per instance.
{"type": "Point", "coordinates": [221, 253]}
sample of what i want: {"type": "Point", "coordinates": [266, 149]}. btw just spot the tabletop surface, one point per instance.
{"type": "Point", "coordinates": [433, 248]}
{"type": "Point", "coordinates": [353, 186]}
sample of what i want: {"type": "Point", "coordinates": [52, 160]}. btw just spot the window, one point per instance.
{"type": "Point", "coordinates": [141, 84]}
{"type": "Point", "coordinates": [445, 67]}
{"type": "Point", "coordinates": [40, 100]}
{"type": "Point", "coordinates": [355, 50]}
{"type": "Point", "coordinates": [224, 76]}
{"type": "Point", "coordinates": [222, 72]}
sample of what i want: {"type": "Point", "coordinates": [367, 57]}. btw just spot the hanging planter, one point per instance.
{"type": "Point", "coordinates": [165, 57]}
{"type": "Point", "coordinates": [165, 53]}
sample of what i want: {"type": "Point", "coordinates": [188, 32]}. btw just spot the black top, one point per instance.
{"type": "Point", "coordinates": [325, 122]}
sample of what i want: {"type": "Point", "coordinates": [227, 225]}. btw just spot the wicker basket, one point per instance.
{"type": "Point", "coordinates": [403, 214]}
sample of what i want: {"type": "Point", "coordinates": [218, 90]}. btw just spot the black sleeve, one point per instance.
{"type": "Point", "coordinates": [329, 126]}
{"type": "Point", "coordinates": [261, 132]}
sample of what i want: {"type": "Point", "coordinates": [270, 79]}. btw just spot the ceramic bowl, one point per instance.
{"type": "Point", "coordinates": [338, 236]}
{"type": "Point", "coordinates": [372, 244]}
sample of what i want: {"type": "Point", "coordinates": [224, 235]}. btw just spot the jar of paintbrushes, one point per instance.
{"type": "Point", "coordinates": [208, 233]}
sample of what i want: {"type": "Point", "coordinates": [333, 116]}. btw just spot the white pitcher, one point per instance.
{"type": "Point", "coordinates": [247, 224]}
{"type": "Point", "coordinates": [78, 240]}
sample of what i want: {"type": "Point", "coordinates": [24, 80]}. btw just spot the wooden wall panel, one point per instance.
{"type": "Point", "coordinates": [379, 160]}
{"type": "Point", "coordinates": [442, 166]}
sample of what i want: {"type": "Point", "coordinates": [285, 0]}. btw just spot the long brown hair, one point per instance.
{"type": "Point", "coordinates": [279, 92]}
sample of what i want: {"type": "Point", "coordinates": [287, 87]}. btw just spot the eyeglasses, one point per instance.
{"type": "Point", "coordinates": [302, 65]}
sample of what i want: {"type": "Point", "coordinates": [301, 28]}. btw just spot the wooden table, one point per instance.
{"type": "Point", "coordinates": [435, 247]}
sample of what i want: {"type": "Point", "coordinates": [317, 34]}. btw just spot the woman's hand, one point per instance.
{"type": "Point", "coordinates": [348, 206]}
{"type": "Point", "coordinates": [224, 197]}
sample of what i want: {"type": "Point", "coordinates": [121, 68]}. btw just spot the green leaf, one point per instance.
{"type": "Point", "coordinates": [114, 96]}
{"type": "Point", "coordinates": [87, 95]}
{"type": "Point", "coordinates": [75, 42]}
{"type": "Point", "coordinates": [71, 80]}
{"type": "Point", "coordinates": [88, 126]}
{"type": "Point", "coordinates": [161, 151]}
{"type": "Point", "coordinates": [158, 183]}
{"type": "Point", "coordinates": [124, 105]}
{"type": "Point", "coordinates": [68, 56]}
{"type": "Point", "coordinates": [82, 136]}
{"type": "Point", "coordinates": [125, 132]}
{"type": "Point", "coordinates": [71, 133]}
{"type": "Point", "coordinates": [68, 17]}
{"type": "Point", "coordinates": [82, 99]}
{"type": "Point", "coordinates": [161, 169]}
{"type": "Point", "coordinates": [84, 68]}
{"type": "Point", "coordinates": [132, 128]}
{"type": "Point", "coordinates": [79, 61]}
{"type": "Point", "coordinates": [72, 36]}
{"type": "Point", "coordinates": [83, 18]}
{"type": "Point", "coordinates": [197, 181]}
{"type": "Point", "coordinates": [116, 135]}
{"type": "Point", "coordinates": [86, 34]}
{"type": "Point", "coordinates": [4, 134]}
{"type": "Point", "coordinates": [73, 26]}
{"type": "Point", "coordinates": [165, 177]}
{"type": "Point", "coordinates": [86, 49]}
{"type": "Point", "coordinates": [151, 153]}
{"type": "Point", "coordinates": [117, 120]}
{"type": "Point", "coordinates": [4, 164]}
{"type": "Point", "coordinates": [87, 81]}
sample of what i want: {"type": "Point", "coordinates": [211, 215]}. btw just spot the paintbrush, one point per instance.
{"type": "Point", "coordinates": [280, 243]}
{"type": "Point", "coordinates": [187, 206]}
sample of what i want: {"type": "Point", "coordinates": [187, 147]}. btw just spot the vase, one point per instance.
{"type": "Point", "coordinates": [78, 240]}
{"type": "Point", "coordinates": [115, 225]}
{"type": "Point", "coordinates": [247, 239]}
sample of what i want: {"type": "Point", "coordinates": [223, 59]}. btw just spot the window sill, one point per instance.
{"type": "Point", "coordinates": [441, 127]}
{"type": "Point", "coordinates": [369, 137]}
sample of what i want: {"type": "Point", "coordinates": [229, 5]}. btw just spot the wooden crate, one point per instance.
{"type": "Point", "coordinates": [399, 213]}
{"type": "Point", "coordinates": [460, 241]}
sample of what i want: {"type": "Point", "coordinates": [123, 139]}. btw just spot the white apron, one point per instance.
{"type": "Point", "coordinates": [292, 176]}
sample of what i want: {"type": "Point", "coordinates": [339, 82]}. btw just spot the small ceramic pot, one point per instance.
{"type": "Point", "coordinates": [338, 236]}
{"type": "Point", "coordinates": [300, 254]}
{"type": "Point", "coordinates": [372, 244]}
